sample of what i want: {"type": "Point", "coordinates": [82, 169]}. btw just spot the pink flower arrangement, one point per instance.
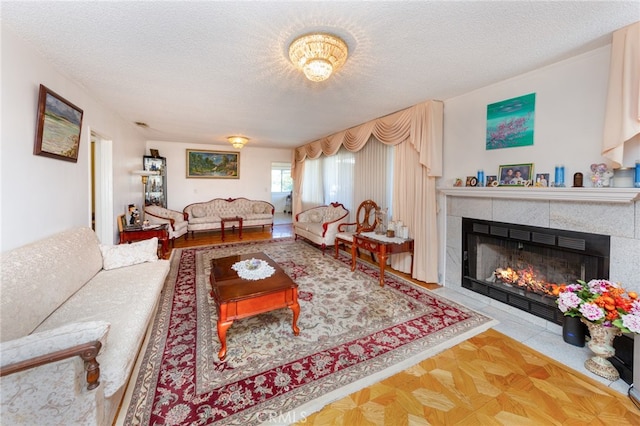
{"type": "Point", "coordinates": [601, 302]}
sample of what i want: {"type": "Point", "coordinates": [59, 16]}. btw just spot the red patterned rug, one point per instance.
{"type": "Point", "coordinates": [352, 333]}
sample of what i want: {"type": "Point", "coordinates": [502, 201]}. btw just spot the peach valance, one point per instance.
{"type": "Point", "coordinates": [420, 124]}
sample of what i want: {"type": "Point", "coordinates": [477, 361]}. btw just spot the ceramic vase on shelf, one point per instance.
{"type": "Point", "coordinates": [601, 344]}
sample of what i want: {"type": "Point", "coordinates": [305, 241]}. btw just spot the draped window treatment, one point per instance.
{"type": "Point", "coordinates": [419, 128]}
{"type": "Point", "coordinates": [350, 178]}
{"type": "Point", "coordinates": [622, 114]}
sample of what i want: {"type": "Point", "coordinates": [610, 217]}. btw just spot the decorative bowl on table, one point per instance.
{"type": "Point", "coordinates": [252, 264]}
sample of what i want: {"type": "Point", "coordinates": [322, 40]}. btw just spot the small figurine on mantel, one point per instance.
{"type": "Point", "coordinates": [601, 175]}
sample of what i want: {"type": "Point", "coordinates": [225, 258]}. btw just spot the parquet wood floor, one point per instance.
{"type": "Point", "coordinates": [489, 379]}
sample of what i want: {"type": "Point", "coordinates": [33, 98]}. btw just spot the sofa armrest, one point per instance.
{"type": "Point", "coordinates": [83, 340]}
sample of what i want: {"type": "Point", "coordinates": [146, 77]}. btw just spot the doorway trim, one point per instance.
{"type": "Point", "coordinates": [103, 187]}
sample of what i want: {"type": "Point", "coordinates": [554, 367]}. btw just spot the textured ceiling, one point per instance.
{"type": "Point", "coordinates": [197, 72]}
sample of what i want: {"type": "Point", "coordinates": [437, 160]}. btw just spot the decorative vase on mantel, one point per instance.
{"type": "Point", "coordinates": [601, 344]}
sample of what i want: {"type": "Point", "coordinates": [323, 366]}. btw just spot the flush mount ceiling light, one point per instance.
{"type": "Point", "coordinates": [318, 55]}
{"type": "Point", "coordinates": [237, 141]}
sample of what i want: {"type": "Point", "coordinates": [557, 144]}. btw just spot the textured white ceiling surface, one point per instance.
{"type": "Point", "coordinates": [197, 72]}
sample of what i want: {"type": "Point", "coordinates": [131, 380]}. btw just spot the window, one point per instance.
{"type": "Point", "coordinates": [281, 177]}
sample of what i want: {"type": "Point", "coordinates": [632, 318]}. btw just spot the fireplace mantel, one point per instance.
{"type": "Point", "coordinates": [600, 195]}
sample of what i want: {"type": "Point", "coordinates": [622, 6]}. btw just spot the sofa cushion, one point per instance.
{"type": "Point", "coordinates": [39, 277]}
{"type": "Point", "coordinates": [126, 298]}
{"type": "Point", "coordinates": [315, 216]}
{"type": "Point", "coordinates": [129, 254]}
{"type": "Point", "coordinates": [198, 211]}
{"type": "Point", "coordinates": [205, 219]}
{"type": "Point", "coordinates": [333, 213]}
{"type": "Point", "coordinates": [257, 208]}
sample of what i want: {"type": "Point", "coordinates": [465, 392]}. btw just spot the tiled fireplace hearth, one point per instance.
{"type": "Point", "coordinates": [610, 212]}
{"type": "Point", "coordinates": [613, 213]}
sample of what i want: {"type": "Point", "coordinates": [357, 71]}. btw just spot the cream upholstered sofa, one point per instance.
{"type": "Point", "coordinates": [207, 216]}
{"type": "Point", "coordinates": [177, 221]}
{"type": "Point", "coordinates": [320, 224]}
{"type": "Point", "coordinates": [66, 299]}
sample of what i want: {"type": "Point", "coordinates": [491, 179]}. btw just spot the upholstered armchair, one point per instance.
{"type": "Point", "coordinates": [366, 221]}
{"type": "Point", "coordinates": [176, 220]}
{"type": "Point", "coordinates": [320, 224]}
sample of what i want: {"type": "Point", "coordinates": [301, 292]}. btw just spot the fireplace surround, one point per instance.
{"type": "Point", "coordinates": [523, 266]}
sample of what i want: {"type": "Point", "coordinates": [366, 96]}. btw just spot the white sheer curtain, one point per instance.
{"type": "Point", "coordinates": [312, 184]}
{"type": "Point", "coordinates": [374, 176]}
{"type": "Point", "coordinates": [338, 178]}
{"type": "Point", "coordinates": [350, 178]}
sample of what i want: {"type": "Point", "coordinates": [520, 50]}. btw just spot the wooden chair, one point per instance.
{"type": "Point", "coordinates": [366, 221]}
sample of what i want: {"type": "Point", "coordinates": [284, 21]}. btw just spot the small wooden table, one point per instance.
{"type": "Point", "coordinates": [381, 248]}
{"type": "Point", "coordinates": [160, 231]}
{"type": "Point", "coordinates": [238, 298]}
{"type": "Point", "coordinates": [235, 219]}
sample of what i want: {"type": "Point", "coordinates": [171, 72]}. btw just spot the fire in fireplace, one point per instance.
{"type": "Point", "coordinates": [523, 266]}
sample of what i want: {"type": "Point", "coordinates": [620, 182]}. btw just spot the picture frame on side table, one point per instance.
{"type": "Point", "coordinates": [58, 127]}
{"type": "Point", "coordinates": [516, 174]}
{"type": "Point", "coordinates": [213, 164]}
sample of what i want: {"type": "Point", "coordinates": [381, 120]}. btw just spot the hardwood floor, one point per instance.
{"type": "Point", "coordinates": [489, 379]}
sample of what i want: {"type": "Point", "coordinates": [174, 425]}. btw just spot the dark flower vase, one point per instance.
{"type": "Point", "coordinates": [573, 331]}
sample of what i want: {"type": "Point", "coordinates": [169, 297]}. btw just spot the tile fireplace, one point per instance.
{"type": "Point", "coordinates": [522, 265]}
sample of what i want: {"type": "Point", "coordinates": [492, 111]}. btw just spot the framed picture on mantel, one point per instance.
{"type": "Point", "coordinates": [516, 174]}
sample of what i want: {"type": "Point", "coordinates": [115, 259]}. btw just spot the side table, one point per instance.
{"type": "Point", "coordinates": [382, 248]}
{"type": "Point", "coordinates": [235, 219]}
{"type": "Point", "coordinates": [160, 231]}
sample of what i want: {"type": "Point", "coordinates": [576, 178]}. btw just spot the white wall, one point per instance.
{"type": "Point", "coordinates": [254, 182]}
{"type": "Point", "coordinates": [569, 121]}
{"type": "Point", "coordinates": [41, 196]}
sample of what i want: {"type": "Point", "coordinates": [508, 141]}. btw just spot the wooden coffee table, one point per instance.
{"type": "Point", "coordinates": [238, 298]}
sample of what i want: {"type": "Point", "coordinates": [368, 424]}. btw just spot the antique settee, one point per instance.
{"type": "Point", "coordinates": [74, 314]}
{"type": "Point", "coordinates": [176, 221]}
{"type": "Point", "coordinates": [320, 224]}
{"type": "Point", "coordinates": [208, 215]}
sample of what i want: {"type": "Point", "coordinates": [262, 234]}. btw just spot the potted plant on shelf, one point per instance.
{"type": "Point", "coordinates": [608, 310]}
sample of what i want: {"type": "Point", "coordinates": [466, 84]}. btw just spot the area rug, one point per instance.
{"type": "Point", "coordinates": [352, 333]}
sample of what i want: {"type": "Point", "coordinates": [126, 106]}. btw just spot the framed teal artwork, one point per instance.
{"type": "Point", "coordinates": [510, 122]}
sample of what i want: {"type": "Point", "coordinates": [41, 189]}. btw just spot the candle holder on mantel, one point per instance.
{"type": "Point", "coordinates": [578, 180]}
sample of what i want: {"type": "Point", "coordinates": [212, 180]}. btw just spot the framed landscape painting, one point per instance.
{"type": "Point", "coordinates": [58, 127]}
{"type": "Point", "coordinates": [213, 164]}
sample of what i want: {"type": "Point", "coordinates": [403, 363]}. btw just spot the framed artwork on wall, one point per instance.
{"type": "Point", "coordinates": [213, 164]}
{"type": "Point", "coordinates": [59, 123]}
{"type": "Point", "coordinates": [510, 122]}
{"type": "Point", "coordinates": [516, 174]}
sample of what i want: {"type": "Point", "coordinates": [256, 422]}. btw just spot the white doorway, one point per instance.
{"type": "Point", "coordinates": [102, 220]}
{"type": "Point", "coordinates": [281, 192]}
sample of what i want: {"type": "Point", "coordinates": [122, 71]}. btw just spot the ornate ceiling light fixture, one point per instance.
{"type": "Point", "coordinates": [318, 55]}
{"type": "Point", "coordinates": [237, 141]}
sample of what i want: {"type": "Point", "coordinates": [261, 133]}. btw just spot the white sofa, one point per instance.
{"type": "Point", "coordinates": [320, 224]}
{"type": "Point", "coordinates": [177, 221]}
{"type": "Point", "coordinates": [66, 299]}
{"type": "Point", "coordinates": [207, 216]}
